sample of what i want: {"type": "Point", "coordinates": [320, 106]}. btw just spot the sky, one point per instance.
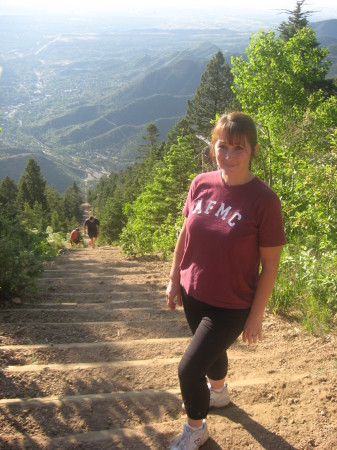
{"type": "Point", "coordinates": [326, 8]}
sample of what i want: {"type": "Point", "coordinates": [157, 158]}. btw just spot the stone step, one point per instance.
{"type": "Point", "coordinates": [86, 305]}
{"type": "Point", "coordinates": [86, 315]}
{"type": "Point", "coordinates": [58, 333]}
{"type": "Point", "coordinates": [87, 378]}
{"type": "Point", "coordinates": [112, 424]}
{"type": "Point", "coordinates": [23, 355]}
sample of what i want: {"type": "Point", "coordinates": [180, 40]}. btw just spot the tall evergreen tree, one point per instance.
{"type": "Point", "coordinates": [180, 129]}
{"type": "Point", "coordinates": [8, 191]}
{"type": "Point", "coordinates": [72, 201]}
{"type": "Point", "coordinates": [149, 153]}
{"type": "Point", "coordinates": [54, 198]}
{"type": "Point", "coordinates": [32, 186]}
{"type": "Point", "coordinates": [152, 135]}
{"type": "Point", "coordinates": [56, 208]}
{"type": "Point", "coordinates": [213, 96]}
{"type": "Point", "coordinates": [23, 196]}
{"type": "Point", "coordinates": [297, 20]}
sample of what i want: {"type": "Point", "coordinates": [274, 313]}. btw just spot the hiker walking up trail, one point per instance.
{"type": "Point", "coordinates": [233, 226]}
{"type": "Point", "coordinates": [93, 226]}
{"type": "Point", "coordinates": [75, 237]}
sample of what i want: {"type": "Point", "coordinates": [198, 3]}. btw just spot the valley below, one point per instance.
{"type": "Point", "coordinates": [78, 94]}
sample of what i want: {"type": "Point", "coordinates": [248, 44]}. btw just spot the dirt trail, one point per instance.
{"type": "Point", "coordinates": [93, 365]}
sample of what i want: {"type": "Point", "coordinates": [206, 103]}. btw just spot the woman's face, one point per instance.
{"type": "Point", "coordinates": [234, 159]}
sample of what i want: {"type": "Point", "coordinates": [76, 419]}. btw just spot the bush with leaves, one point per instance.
{"type": "Point", "coordinates": [279, 85]}
{"type": "Point", "coordinates": [160, 204]}
{"type": "Point", "coordinates": [307, 286]}
{"type": "Point", "coordinates": [21, 257]}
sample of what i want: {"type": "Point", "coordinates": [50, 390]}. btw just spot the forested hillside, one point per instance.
{"type": "Point", "coordinates": [58, 174]}
{"type": "Point", "coordinates": [81, 96]}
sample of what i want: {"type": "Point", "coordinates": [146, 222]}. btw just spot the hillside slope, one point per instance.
{"type": "Point", "coordinates": [57, 174]}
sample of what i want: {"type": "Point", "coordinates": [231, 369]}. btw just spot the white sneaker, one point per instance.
{"type": "Point", "coordinates": [218, 399]}
{"type": "Point", "coordinates": [191, 439]}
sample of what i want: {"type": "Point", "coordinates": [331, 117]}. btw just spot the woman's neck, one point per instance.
{"type": "Point", "coordinates": [237, 181]}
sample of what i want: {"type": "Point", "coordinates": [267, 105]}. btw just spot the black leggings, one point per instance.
{"type": "Point", "coordinates": [214, 331]}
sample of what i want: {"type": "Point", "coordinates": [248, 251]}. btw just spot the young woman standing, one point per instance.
{"type": "Point", "coordinates": [224, 268]}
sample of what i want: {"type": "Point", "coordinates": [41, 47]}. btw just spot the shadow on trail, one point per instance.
{"type": "Point", "coordinates": [267, 439]}
{"type": "Point", "coordinates": [111, 417]}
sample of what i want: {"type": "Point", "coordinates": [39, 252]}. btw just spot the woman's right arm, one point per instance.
{"type": "Point", "coordinates": [173, 288]}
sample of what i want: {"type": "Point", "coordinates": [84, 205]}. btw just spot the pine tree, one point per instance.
{"type": "Point", "coordinates": [8, 191]}
{"type": "Point", "coordinates": [32, 186]}
{"type": "Point", "coordinates": [23, 196]}
{"type": "Point", "coordinates": [55, 206]}
{"type": "Point", "coordinates": [72, 201]}
{"type": "Point", "coordinates": [149, 153]}
{"type": "Point", "coordinates": [180, 129]}
{"type": "Point", "coordinates": [296, 21]}
{"type": "Point", "coordinates": [213, 96]}
{"type": "Point", "coordinates": [152, 135]}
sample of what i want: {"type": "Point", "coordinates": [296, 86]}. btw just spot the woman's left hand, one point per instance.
{"type": "Point", "coordinates": [252, 331]}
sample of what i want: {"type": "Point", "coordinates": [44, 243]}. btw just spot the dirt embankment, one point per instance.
{"type": "Point", "coordinates": [93, 365]}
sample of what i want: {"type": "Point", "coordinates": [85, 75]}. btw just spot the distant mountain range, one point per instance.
{"type": "Point", "coordinates": [79, 100]}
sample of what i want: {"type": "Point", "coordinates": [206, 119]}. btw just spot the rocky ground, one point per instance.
{"type": "Point", "coordinates": [92, 364]}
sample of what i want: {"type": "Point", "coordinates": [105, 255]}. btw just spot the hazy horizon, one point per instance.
{"type": "Point", "coordinates": [213, 14]}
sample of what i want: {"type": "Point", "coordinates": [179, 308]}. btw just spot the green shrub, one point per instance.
{"type": "Point", "coordinates": [307, 285]}
{"type": "Point", "coordinates": [22, 253]}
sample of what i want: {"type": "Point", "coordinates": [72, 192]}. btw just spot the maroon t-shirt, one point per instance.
{"type": "Point", "coordinates": [225, 227]}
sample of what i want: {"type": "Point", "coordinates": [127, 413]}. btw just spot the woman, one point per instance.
{"type": "Point", "coordinates": [224, 268]}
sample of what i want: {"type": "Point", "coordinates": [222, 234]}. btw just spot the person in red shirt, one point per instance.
{"type": "Point", "coordinates": [75, 237]}
{"type": "Point", "coordinates": [224, 268]}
